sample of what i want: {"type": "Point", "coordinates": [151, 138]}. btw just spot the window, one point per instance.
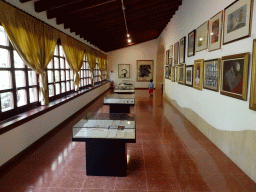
{"type": "Point", "coordinates": [85, 74]}
{"type": "Point", "coordinates": [96, 74]}
{"type": "Point", "coordinates": [59, 75]}
{"type": "Point", "coordinates": [104, 75]}
{"type": "Point", "coordinates": [19, 89]}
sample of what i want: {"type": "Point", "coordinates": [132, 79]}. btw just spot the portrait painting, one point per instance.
{"type": "Point", "coordinates": [176, 53]}
{"type": "Point", "coordinates": [182, 50]}
{"type": "Point", "coordinates": [234, 75]}
{"type": "Point", "coordinates": [202, 37]}
{"type": "Point", "coordinates": [198, 74]}
{"type": "Point", "coordinates": [211, 74]}
{"type": "Point", "coordinates": [144, 70]}
{"type": "Point", "coordinates": [215, 28]}
{"type": "Point", "coordinates": [124, 70]}
{"type": "Point", "coordinates": [191, 43]}
{"type": "Point", "coordinates": [189, 75]}
{"type": "Point", "coordinates": [237, 21]}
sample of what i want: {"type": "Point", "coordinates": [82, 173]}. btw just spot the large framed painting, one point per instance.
{"type": "Point", "coordinates": [173, 74]}
{"type": "Point", "coordinates": [198, 74]}
{"type": "Point", "coordinates": [252, 104]}
{"type": "Point", "coordinates": [202, 37]}
{"type": "Point", "coordinates": [212, 74]}
{"type": "Point", "coordinates": [237, 21]}
{"type": "Point", "coordinates": [166, 71]}
{"type": "Point", "coordinates": [167, 57]}
{"type": "Point", "coordinates": [124, 70]}
{"type": "Point", "coordinates": [234, 75]}
{"type": "Point", "coordinates": [171, 51]}
{"type": "Point", "coordinates": [176, 53]}
{"type": "Point", "coordinates": [215, 29]}
{"type": "Point", "coordinates": [189, 75]}
{"type": "Point", "coordinates": [182, 49]}
{"type": "Point", "coordinates": [181, 74]}
{"type": "Point", "coordinates": [145, 70]}
{"type": "Point", "coordinates": [191, 43]}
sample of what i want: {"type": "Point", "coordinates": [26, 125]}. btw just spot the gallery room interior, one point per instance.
{"type": "Point", "coordinates": [76, 112]}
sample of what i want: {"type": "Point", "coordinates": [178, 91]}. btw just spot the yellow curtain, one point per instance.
{"type": "Point", "coordinates": [101, 63]}
{"type": "Point", "coordinates": [91, 57]}
{"type": "Point", "coordinates": [74, 52]}
{"type": "Point", "coordinates": [33, 40]}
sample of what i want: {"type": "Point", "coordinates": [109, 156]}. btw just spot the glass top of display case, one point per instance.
{"type": "Point", "coordinates": [119, 99]}
{"type": "Point", "coordinates": [105, 126]}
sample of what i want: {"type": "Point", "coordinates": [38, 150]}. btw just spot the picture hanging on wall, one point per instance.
{"type": "Point", "coordinates": [202, 37]}
{"type": "Point", "coordinates": [173, 74]}
{"type": "Point", "coordinates": [124, 70]}
{"type": "Point", "coordinates": [253, 79]}
{"type": "Point", "coordinates": [215, 29]}
{"type": "Point", "coordinates": [176, 74]}
{"type": "Point", "coordinates": [167, 57]}
{"type": "Point", "coordinates": [211, 74]}
{"type": "Point", "coordinates": [181, 73]}
{"type": "Point", "coordinates": [145, 70]}
{"type": "Point", "coordinates": [198, 74]}
{"type": "Point", "coordinates": [170, 61]}
{"type": "Point", "coordinates": [176, 53]}
{"type": "Point", "coordinates": [166, 71]}
{"type": "Point", "coordinates": [191, 43]}
{"type": "Point", "coordinates": [171, 51]}
{"type": "Point", "coordinates": [234, 75]}
{"type": "Point", "coordinates": [189, 75]}
{"type": "Point", "coordinates": [237, 21]}
{"type": "Point", "coordinates": [170, 71]}
{"type": "Point", "coordinates": [182, 49]}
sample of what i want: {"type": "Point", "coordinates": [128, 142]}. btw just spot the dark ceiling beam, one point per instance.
{"type": "Point", "coordinates": [44, 5]}
{"type": "Point", "coordinates": [24, 1]}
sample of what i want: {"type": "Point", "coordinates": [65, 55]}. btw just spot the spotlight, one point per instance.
{"type": "Point", "coordinates": [129, 40]}
{"type": "Point", "coordinates": [128, 35]}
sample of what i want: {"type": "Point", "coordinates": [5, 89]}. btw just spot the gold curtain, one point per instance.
{"type": "Point", "coordinates": [101, 63]}
{"type": "Point", "coordinates": [91, 57]}
{"type": "Point", "coordinates": [74, 52]}
{"type": "Point", "coordinates": [33, 40]}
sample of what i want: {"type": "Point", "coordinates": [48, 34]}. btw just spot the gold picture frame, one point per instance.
{"type": "Point", "coordinates": [212, 74]}
{"type": "Point", "coordinates": [181, 74]}
{"type": "Point", "coordinates": [215, 31]}
{"type": "Point", "coordinates": [234, 75]}
{"type": "Point", "coordinates": [202, 37]}
{"type": "Point", "coordinates": [252, 103]}
{"type": "Point", "coordinates": [145, 69]}
{"type": "Point", "coordinates": [198, 74]}
{"type": "Point", "coordinates": [173, 74]}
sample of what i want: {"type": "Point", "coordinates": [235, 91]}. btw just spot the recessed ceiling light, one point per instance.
{"type": "Point", "coordinates": [129, 40]}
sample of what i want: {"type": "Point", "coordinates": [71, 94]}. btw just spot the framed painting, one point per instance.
{"type": "Point", "coordinates": [191, 43]}
{"type": "Point", "coordinates": [170, 72]}
{"type": "Point", "coordinates": [170, 61]}
{"type": "Point", "coordinates": [189, 75]}
{"type": "Point", "coordinates": [198, 74]}
{"type": "Point", "coordinates": [166, 71]}
{"type": "Point", "coordinates": [237, 21]}
{"type": "Point", "coordinates": [173, 74]}
{"type": "Point", "coordinates": [234, 75]}
{"type": "Point", "coordinates": [215, 29]}
{"type": "Point", "coordinates": [176, 74]}
{"type": "Point", "coordinates": [212, 74]}
{"type": "Point", "coordinates": [252, 104]}
{"type": "Point", "coordinates": [167, 57]}
{"type": "Point", "coordinates": [202, 37]}
{"type": "Point", "coordinates": [123, 70]}
{"type": "Point", "coordinates": [145, 70]}
{"type": "Point", "coordinates": [171, 51]}
{"type": "Point", "coordinates": [176, 53]}
{"type": "Point", "coordinates": [182, 49]}
{"type": "Point", "coordinates": [181, 74]}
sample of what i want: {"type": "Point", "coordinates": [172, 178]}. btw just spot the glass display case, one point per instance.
{"type": "Point", "coordinates": [125, 87]}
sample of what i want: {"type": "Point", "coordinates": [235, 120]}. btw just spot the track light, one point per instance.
{"type": "Point", "coordinates": [129, 40]}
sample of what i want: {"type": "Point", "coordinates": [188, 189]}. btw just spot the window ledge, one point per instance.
{"type": "Point", "coordinates": [15, 121]}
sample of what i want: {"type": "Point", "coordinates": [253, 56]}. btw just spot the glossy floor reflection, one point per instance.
{"type": "Point", "coordinates": [170, 155]}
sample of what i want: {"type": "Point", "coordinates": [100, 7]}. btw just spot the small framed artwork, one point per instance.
{"type": "Point", "coordinates": [191, 43]}
{"type": "Point", "coordinates": [166, 71]}
{"type": "Point", "coordinates": [123, 70]}
{"type": "Point", "coordinates": [198, 74]}
{"type": "Point", "coordinates": [170, 61]}
{"type": "Point", "coordinates": [145, 70]}
{"type": "Point", "coordinates": [170, 72]}
{"type": "Point", "coordinates": [189, 75]}
{"type": "Point", "coordinates": [181, 74]}
{"type": "Point", "coordinates": [252, 104]}
{"type": "Point", "coordinates": [171, 51]}
{"type": "Point", "coordinates": [176, 53]}
{"type": "Point", "coordinates": [176, 74]}
{"type": "Point", "coordinates": [173, 74]}
{"type": "Point", "coordinates": [215, 29]}
{"type": "Point", "coordinates": [182, 50]}
{"type": "Point", "coordinates": [167, 57]}
{"type": "Point", "coordinates": [211, 74]}
{"type": "Point", "coordinates": [202, 37]}
{"type": "Point", "coordinates": [237, 21]}
{"type": "Point", "coordinates": [234, 75]}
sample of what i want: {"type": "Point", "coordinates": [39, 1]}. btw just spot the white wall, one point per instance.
{"type": "Point", "coordinates": [221, 112]}
{"type": "Point", "coordinates": [21, 137]}
{"type": "Point", "coordinates": [129, 55]}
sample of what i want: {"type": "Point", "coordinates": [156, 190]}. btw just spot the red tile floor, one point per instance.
{"type": "Point", "coordinates": [169, 155]}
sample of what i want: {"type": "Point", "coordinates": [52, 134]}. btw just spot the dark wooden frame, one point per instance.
{"type": "Point", "coordinates": [188, 66]}
{"type": "Point", "coordinates": [194, 48]}
{"type": "Point", "coordinates": [176, 53]}
{"type": "Point", "coordinates": [166, 74]}
{"type": "Point", "coordinates": [250, 23]}
{"type": "Point", "coordinates": [209, 30]}
{"type": "Point", "coordinates": [218, 80]}
{"type": "Point", "coordinates": [184, 50]}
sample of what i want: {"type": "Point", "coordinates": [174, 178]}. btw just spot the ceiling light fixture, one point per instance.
{"type": "Point", "coordinates": [128, 35]}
